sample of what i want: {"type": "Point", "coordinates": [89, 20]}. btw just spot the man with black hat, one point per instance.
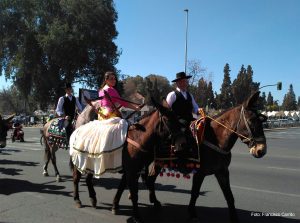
{"type": "Point", "coordinates": [66, 106]}
{"type": "Point", "coordinates": [181, 101]}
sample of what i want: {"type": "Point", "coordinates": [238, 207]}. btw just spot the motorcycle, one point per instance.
{"type": "Point", "coordinates": [17, 133]}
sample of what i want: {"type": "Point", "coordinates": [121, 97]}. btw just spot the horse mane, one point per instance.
{"type": "Point", "coordinates": [223, 112]}
{"type": "Point", "coordinates": [147, 114]}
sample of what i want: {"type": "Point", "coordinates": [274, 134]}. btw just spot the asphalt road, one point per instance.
{"type": "Point", "coordinates": [265, 190]}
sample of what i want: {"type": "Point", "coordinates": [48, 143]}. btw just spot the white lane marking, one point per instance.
{"type": "Point", "coordinates": [269, 156]}
{"type": "Point", "coordinates": [281, 168]}
{"type": "Point", "coordinates": [265, 191]}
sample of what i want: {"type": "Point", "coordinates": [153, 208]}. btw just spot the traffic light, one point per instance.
{"type": "Point", "coordinates": [279, 86]}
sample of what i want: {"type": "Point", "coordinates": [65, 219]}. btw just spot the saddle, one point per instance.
{"type": "Point", "coordinates": [197, 128]}
{"type": "Point", "coordinates": [170, 163]}
{"type": "Point", "coordinates": [57, 133]}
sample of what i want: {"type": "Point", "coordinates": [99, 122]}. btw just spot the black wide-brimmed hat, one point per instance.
{"type": "Point", "coordinates": [67, 85]}
{"type": "Point", "coordinates": [181, 75]}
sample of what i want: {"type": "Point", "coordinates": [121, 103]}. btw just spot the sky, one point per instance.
{"type": "Point", "coordinates": [262, 33]}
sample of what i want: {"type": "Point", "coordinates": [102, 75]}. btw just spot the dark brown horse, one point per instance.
{"type": "Point", "coordinates": [220, 135]}
{"type": "Point", "coordinates": [154, 128]}
{"type": "Point", "coordinates": [5, 125]}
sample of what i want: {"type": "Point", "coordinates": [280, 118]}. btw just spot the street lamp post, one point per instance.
{"type": "Point", "coordinates": [186, 36]}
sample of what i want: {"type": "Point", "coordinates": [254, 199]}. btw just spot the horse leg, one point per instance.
{"type": "Point", "coordinates": [224, 182]}
{"type": "Point", "coordinates": [121, 188]}
{"type": "Point", "coordinates": [76, 179]}
{"type": "Point", "coordinates": [197, 182]}
{"type": "Point", "coordinates": [92, 193]}
{"type": "Point", "coordinates": [53, 160]}
{"type": "Point", "coordinates": [150, 182]}
{"type": "Point", "coordinates": [47, 156]}
{"type": "Point", "coordinates": [132, 182]}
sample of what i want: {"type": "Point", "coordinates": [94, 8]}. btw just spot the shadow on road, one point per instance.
{"type": "Point", "coordinates": [21, 163]}
{"type": "Point", "coordinates": [11, 186]}
{"type": "Point", "coordinates": [10, 171]}
{"type": "Point", "coordinates": [178, 214]}
{"type": "Point", "coordinates": [5, 151]}
{"type": "Point", "coordinates": [13, 171]}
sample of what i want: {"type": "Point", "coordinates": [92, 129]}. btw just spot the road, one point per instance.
{"type": "Point", "coordinates": [265, 190]}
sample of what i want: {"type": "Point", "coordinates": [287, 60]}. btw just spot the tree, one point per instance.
{"type": "Point", "coordinates": [201, 96]}
{"type": "Point", "coordinates": [270, 99]}
{"type": "Point", "coordinates": [262, 102]}
{"type": "Point", "coordinates": [298, 104]}
{"type": "Point", "coordinates": [12, 101]}
{"type": "Point", "coordinates": [151, 86]}
{"type": "Point", "coordinates": [289, 101]}
{"type": "Point", "coordinates": [211, 103]}
{"type": "Point", "coordinates": [225, 98]}
{"type": "Point", "coordinates": [196, 71]}
{"type": "Point", "coordinates": [46, 43]}
{"type": "Point", "coordinates": [243, 86]}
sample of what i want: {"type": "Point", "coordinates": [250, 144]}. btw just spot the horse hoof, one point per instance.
{"type": "Point", "coordinates": [115, 208]}
{"type": "Point", "coordinates": [194, 220]}
{"type": "Point", "coordinates": [114, 211]}
{"type": "Point", "coordinates": [78, 204]}
{"type": "Point", "coordinates": [157, 205]}
{"type": "Point", "coordinates": [136, 220]}
{"type": "Point", "coordinates": [94, 202]}
{"type": "Point", "coordinates": [58, 179]}
{"type": "Point", "coordinates": [45, 173]}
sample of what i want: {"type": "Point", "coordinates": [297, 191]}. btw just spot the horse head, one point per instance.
{"type": "Point", "coordinates": [5, 124]}
{"type": "Point", "coordinates": [170, 129]}
{"type": "Point", "coordinates": [250, 126]}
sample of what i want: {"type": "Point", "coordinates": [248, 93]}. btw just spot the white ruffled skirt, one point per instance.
{"type": "Point", "coordinates": [96, 147]}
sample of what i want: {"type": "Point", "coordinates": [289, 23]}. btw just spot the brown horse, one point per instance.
{"type": "Point", "coordinates": [5, 125]}
{"type": "Point", "coordinates": [51, 148]}
{"type": "Point", "coordinates": [152, 129]}
{"type": "Point", "coordinates": [220, 135]}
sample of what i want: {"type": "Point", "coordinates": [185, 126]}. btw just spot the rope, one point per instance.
{"type": "Point", "coordinates": [201, 112]}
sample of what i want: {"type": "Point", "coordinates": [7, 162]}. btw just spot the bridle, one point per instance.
{"type": "Point", "coordinates": [172, 136]}
{"type": "Point", "coordinates": [250, 141]}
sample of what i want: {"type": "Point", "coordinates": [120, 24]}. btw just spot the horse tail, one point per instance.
{"type": "Point", "coordinates": [71, 165]}
{"type": "Point", "coordinates": [42, 136]}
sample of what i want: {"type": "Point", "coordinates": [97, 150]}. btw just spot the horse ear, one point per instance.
{"type": "Point", "coordinates": [165, 103]}
{"type": "Point", "coordinates": [251, 102]}
{"type": "Point", "coordinates": [160, 107]}
{"type": "Point", "coordinates": [9, 118]}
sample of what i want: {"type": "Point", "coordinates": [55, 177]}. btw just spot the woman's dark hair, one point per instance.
{"type": "Point", "coordinates": [106, 76]}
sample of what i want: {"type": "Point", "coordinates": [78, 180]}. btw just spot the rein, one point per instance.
{"type": "Point", "coordinates": [140, 147]}
{"type": "Point", "coordinates": [242, 114]}
{"type": "Point", "coordinates": [245, 138]}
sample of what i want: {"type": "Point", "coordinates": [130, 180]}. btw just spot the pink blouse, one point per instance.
{"type": "Point", "coordinates": [113, 93]}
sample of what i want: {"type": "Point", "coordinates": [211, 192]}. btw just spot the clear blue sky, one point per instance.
{"type": "Point", "coordinates": [262, 33]}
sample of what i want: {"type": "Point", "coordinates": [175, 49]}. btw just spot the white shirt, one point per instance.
{"type": "Point", "coordinates": [171, 98]}
{"type": "Point", "coordinates": [59, 109]}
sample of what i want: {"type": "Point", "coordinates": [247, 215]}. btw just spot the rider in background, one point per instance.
{"type": "Point", "coordinates": [181, 101]}
{"type": "Point", "coordinates": [66, 106]}
{"type": "Point", "coordinates": [107, 109]}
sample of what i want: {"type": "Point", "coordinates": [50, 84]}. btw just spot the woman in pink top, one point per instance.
{"type": "Point", "coordinates": [107, 109]}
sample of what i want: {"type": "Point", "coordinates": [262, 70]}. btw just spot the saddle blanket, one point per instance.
{"type": "Point", "coordinates": [96, 147]}
{"type": "Point", "coordinates": [57, 134]}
